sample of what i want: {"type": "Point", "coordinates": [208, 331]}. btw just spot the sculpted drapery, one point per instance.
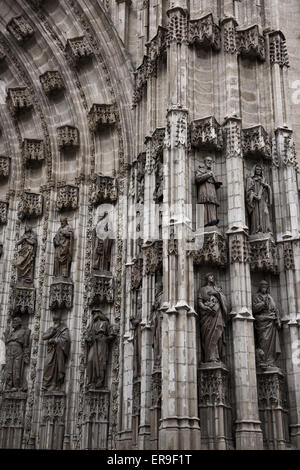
{"type": "Point", "coordinates": [63, 245]}
{"type": "Point", "coordinates": [259, 200]}
{"type": "Point", "coordinates": [207, 192]}
{"type": "Point", "coordinates": [26, 256]}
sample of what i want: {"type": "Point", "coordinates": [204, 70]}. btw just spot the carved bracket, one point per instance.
{"type": "Point", "coordinates": [206, 133]}
{"type": "Point", "coordinates": [20, 29]}
{"type": "Point", "coordinates": [67, 198]}
{"type": "Point", "coordinates": [213, 251]}
{"type": "Point", "coordinates": [96, 406]}
{"type": "Point", "coordinates": [250, 43]}
{"type": "Point", "coordinates": [4, 167]}
{"type": "Point", "coordinates": [204, 32]}
{"type": "Point", "coordinates": [271, 390]}
{"type": "Point", "coordinates": [24, 300]}
{"type": "Point", "coordinates": [256, 142]}
{"type": "Point", "coordinates": [79, 50]}
{"type": "Point", "coordinates": [68, 137]}
{"type": "Point", "coordinates": [61, 296]}
{"type": "Point", "coordinates": [33, 152]}
{"type": "Point", "coordinates": [3, 212]}
{"type": "Point", "coordinates": [52, 82]}
{"type": "Point", "coordinates": [264, 256]}
{"type": "Point", "coordinates": [101, 115]}
{"type": "Point", "coordinates": [30, 205]}
{"type": "Point", "coordinates": [18, 99]}
{"type": "Point", "coordinates": [101, 290]}
{"type": "Point", "coordinates": [213, 385]}
{"type": "Point", "coordinates": [104, 190]}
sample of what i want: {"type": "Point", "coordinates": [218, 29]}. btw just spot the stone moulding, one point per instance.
{"type": "Point", "coordinates": [68, 137]}
{"type": "Point", "coordinates": [3, 212]}
{"type": "Point", "coordinates": [33, 152]}
{"type": "Point", "coordinates": [213, 251]}
{"type": "Point", "coordinates": [24, 300]}
{"type": "Point", "coordinates": [52, 82]}
{"type": "Point", "coordinates": [250, 43]}
{"type": "Point", "coordinates": [18, 100]}
{"type": "Point", "coordinates": [256, 142]}
{"type": "Point", "coordinates": [204, 32]}
{"type": "Point", "coordinates": [61, 295]}
{"type": "Point", "coordinates": [206, 133]}
{"type": "Point", "coordinates": [20, 29]}
{"type": "Point", "coordinates": [263, 255]}
{"type": "Point", "coordinates": [101, 116]}
{"type": "Point", "coordinates": [30, 205]}
{"type": "Point", "coordinates": [67, 197]}
{"type": "Point", "coordinates": [79, 50]}
{"type": "Point", "coordinates": [152, 253]}
{"type": "Point", "coordinates": [4, 167]}
{"type": "Point", "coordinates": [104, 190]}
{"type": "Point", "coordinates": [101, 290]}
{"type": "Point", "coordinates": [278, 49]}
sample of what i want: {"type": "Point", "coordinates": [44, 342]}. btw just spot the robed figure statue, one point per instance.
{"type": "Point", "coordinates": [103, 243]}
{"type": "Point", "coordinates": [156, 324]}
{"type": "Point", "coordinates": [259, 201]}
{"type": "Point", "coordinates": [207, 192]}
{"type": "Point", "coordinates": [97, 338]}
{"type": "Point", "coordinates": [58, 349]}
{"type": "Point", "coordinates": [267, 324]}
{"type": "Point", "coordinates": [213, 313]}
{"type": "Point", "coordinates": [17, 345]}
{"type": "Point", "coordinates": [26, 256]}
{"type": "Point", "coordinates": [63, 245]}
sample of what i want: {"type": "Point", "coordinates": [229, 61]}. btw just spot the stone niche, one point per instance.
{"type": "Point", "coordinates": [256, 143]}
{"type": "Point", "coordinates": [19, 100]}
{"type": "Point", "coordinates": [3, 212]}
{"type": "Point", "coordinates": [20, 29]}
{"type": "Point", "coordinates": [101, 290]}
{"type": "Point", "coordinates": [33, 152]}
{"type": "Point", "coordinates": [250, 43]}
{"type": "Point", "coordinates": [4, 167]}
{"type": "Point", "coordinates": [67, 197]}
{"type": "Point", "coordinates": [30, 205]}
{"type": "Point", "coordinates": [206, 134]}
{"type": "Point", "coordinates": [204, 32]}
{"type": "Point", "coordinates": [53, 420]}
{"type": "Point", "coordinates": [68, 137]}
{"type": "Point", "coordinates": [79, 50]}
{"type": "Point", "coordinates": [61, 295]}
{"type": "Point", "coordinates": [52, 82]}
{"type": "Point", "coordinates": [104, 190]}
{"type": "Point", "coordinates": [23, 300]}
{"type": "Point", "coordinates": [101, 116]}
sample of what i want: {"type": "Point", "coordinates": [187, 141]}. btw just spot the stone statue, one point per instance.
{"type": "Point", "coordinates": [213, 312]}
{"type": "Point", "coordinates": [97, 341]}
{"type": "Point", "coordinates": [259, 200]}
{"type": "Point", "coordinates": [136, 324]}
{"type": "Point", "coordinates": [156, 326]}
{"type": "Point", "coordinates": [17, 344]}
{"type": "Point", "coordinates": [63, 245]}
{"type": "Point", "coordinates": [103, 242]}
{"type": "Point", "coordinates": [207, 192]}
{"type": "Point", "coordinates": [267, 323]}
{"type": "Point", "coordinates": [58, 337]}
{"type": "Point", "coordinates": [26, 256]}
{"type": "Point", "coordinates": [159, 180]}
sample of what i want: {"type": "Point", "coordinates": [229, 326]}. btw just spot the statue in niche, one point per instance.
{"type": "Point", "coordinates": [207, 192]}
{"type": "Point", "coordinates": [63, 245]}
{"type": "Point", "coordinates": [213, 313]}
{"type": "Point", "coordinates": [136, 324]}
{"type": "Point", "coordinates": [259, 201]}
{"type": "Point", "coordinates": [97, 340]}
{"type": "Point", "coordinates": [26, 256]}
{"type": "Point", "coordinates": [159, 178]}
{"type": "Point", "coordinates": [267, 324]}
{"type": "Point", "coordinates": [156, 326]}
{"type": "Point", "coordinates": [58, 348]}
{"type": "Point", "coordinates": [17, 345]}
{"type": "Point", "coordinates": [103, 243]}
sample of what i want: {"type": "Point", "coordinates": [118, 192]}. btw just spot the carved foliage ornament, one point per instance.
{"type": "Point", "coordinates": [256, 141]}
{"type": "Point", "coordinates": [204, 32]}
{"type": "Point", "coordinates": [20, 28]}
{"type": "Point", "coordinates": [33, 152]}
{"type": "Point", "coordinates": [4, 166]}
{"type": "Point", "coordinates": [67, 198]}
{"type": "Point", "coordinates": [137, 273]}
{"type": "Point", "coordinates": [19, 99]}
{"type": "Point", "coordinates": [2, 53]}
{"type": "Point", "coordinates": [24, 300]}
{"type": "Point", "coordinates": [239, 249]}
{"type": "Point", "coordinates": [278, 49]}
{"type": "Point", "coordinates": [206, 133]}
{"type": "Point", "coordinates": [229, 34]}
{"type": "Point", "coordinates": [61, 296]}
{"type": "Point", "coordinates": [250, 43]}
{"type": "Point", "coordinates": [264, 256]}
{"type": "Point", "coordinates": [52, 82]}
{"type": "Point", "coordinates": [3, 212]}
{"type": "Point", "coordinates": [102, 115]}
{"type": "Point", "coordinates": [30, 205]}
{"type": "Point", "coordinates": [104, 190]}
{"type": "Point", "coordinates": [213, 252]}
{"type": "Point", "coordinates": [79, 49]}
{"type": "Point", "coordinates": [153, 257]}
{"type": "Point", "coordinates": [68, 137]}
{"type": "Point", "coordinates": [177, 26]}
{"type": "Point", "coordinates": [213, 387]}
{"type": "Point", "coordinates": [101, 290]}
{"type": "Point", "coordinates": [285, 148]}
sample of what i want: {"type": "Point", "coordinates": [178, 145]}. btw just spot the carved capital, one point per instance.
{"type": "Point", "coordinates": [20, 28]}
{"type": "Point", "coordinates": [250, 43]}
{"type": "Point", "coordinates": [30, 205]}
{"type": "Point", "coordinates": [264, 256]}
{"type": "Point", "coordinates": [204, 32]}
{"type": "Point", "coordinates": [278, 49]}
{"type": "Point", "coordinates": [256, 142]}
{"type": "Point", "coordinates": [101, 290]}
{"type": "Point", "coordinates": [68, 137]}
{"type": "Point", "coordinates": [24, 300]}
{"type": "Point", "coordinates": [33, 152]}
{"type": "Point", "coordinates": [101, 115]}
{"type": "Point", "coordinates": [206, 133]}
{"type": "Point", "coordinates": [177, 26]}
{"type": "Point", "coordinates": [4, 167]}
{"type": "Point", "coordinates": [18, 100]}
{"type": "Point", "coordinates": [67, 197]}
{"type": "Point", "coordinates": [61, 296]}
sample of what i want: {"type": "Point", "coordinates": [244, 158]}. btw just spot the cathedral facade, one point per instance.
{"type": "Point", "coordinates": [149, 224]}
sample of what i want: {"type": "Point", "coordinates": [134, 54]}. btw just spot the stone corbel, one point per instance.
{"type": "Point", "coordinates": [79, 50]}
{"type": "Point", "coordinates": [61, 296]}
{"type": "Point", "coordinates": [67, 197]}
{"type": "Point", "coordinates": [256, 142]}
{"type": "Point", "coordinates": [4, 167]}
{"type": "Point", "coordinates": [206, 133]}
{"type": "Point", "coordinates": [101, 116]}
{"type": "Point", "coordinates": [101, 290]}
{"type": "Point", "coordinates": [52, 82]}
{"type": "Point", "coordinates": [33, 152]}
{"type": "Point", "coordinates": [20, 29]}
{"type": "Point", "coordinates": [204, 32]}
{"type": "Point", "coordinates": [30, 205]}
{"type": "Point", "coordinates": [23, 300]}
{"type": "Point", "coordinates": [251, 43]}
{"type": "Point", "coordinates": [19, 100]}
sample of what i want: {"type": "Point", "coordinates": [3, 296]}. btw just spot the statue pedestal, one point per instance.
{"type": "Point", "coordinates": [214, 406]}
{"type": "Point", "coordinates": [12, 413]}
{"type": "Point", "coordinates": [53, 420]}
{"type": "Point", "coordinates": [136, 411]}
{"type": "Point", "coordinates": [263, 253]}
{"type": "Point", "coordinates": [272, 404]}
{"type": "Point", "coordinates": [95, 419]}
{"type": "Point", "coordinates": [155, 410]}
